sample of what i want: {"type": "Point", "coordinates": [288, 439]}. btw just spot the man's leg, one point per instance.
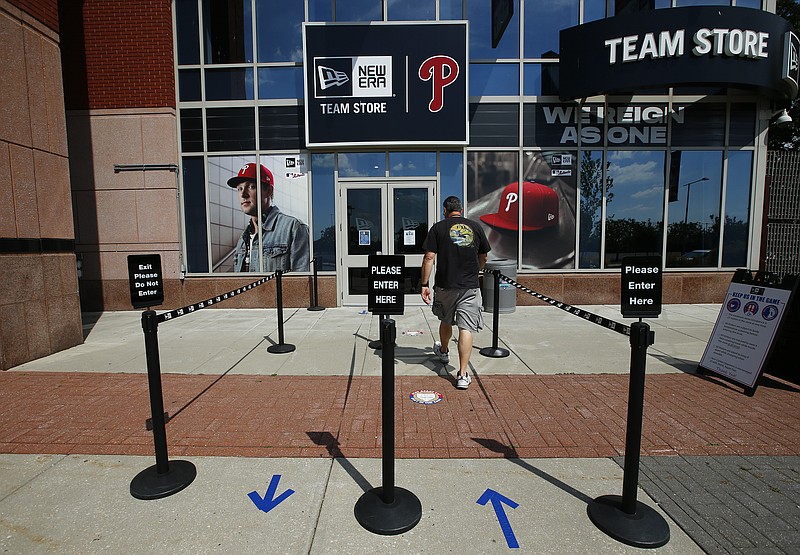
{"type": "Point", "coordinates": [445, 334]}
{"type": "Point", "coordinates": [464, 350]}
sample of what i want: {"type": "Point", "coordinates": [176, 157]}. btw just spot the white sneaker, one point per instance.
{"type": "Point", "coordinates": [463, 381]}
{"type": "Point", "coordinates": [441, 355]}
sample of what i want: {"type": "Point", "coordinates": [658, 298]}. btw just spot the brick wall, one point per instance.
{"type": "Point", "coordinates": [117, 54]}
{"type": "Point", "coordinates": [45, 11]}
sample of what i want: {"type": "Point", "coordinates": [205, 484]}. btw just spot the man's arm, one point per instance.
{"type": "Point", "coordinates": [427, 268]}
{"type": "Point", "coordinates": [481, 260]}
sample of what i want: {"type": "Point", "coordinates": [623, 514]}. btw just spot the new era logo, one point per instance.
{"type": "Point", "coordinates": [329, 77]}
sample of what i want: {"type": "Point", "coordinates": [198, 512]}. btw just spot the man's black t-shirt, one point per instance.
{"type": "Point", "coordinates": [457, 243]}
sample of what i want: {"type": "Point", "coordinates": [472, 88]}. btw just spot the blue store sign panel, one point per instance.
{"type": "Point", "coordinates": [679, 46]}
{"type": "Point", "coordinates": [386, 84]}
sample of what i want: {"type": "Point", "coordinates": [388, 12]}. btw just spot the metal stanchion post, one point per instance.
{"type": "Point", "coordinates": [388, 510]}
{"type": "Point", "coordinates": [315, 307]}
{"type": "Point", "coordinates": [624, 518]}
{"type": "Point", "coordinates": [280, 347]}
{"type": "Point", "coordinates": [163, 478]}
{"type": "Point", "coordinates": [494, 351]}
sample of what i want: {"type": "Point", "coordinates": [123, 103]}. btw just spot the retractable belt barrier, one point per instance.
{"type": "Point", "coordinates": [585, 314]}
{"type": "Point", "coordinates": [171, 315]}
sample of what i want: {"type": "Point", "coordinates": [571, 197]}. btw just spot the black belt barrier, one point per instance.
{"type": "Point", "coordinates": [315, 306]}
{"type": "Point", "coordinates": [168, 477]}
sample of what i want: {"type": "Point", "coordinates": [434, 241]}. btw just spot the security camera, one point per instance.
{"type": "Point", "coordinates": [782, 119]}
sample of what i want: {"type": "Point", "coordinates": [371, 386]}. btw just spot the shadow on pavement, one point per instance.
{"type": "Point", "coordinates": [326, 439]}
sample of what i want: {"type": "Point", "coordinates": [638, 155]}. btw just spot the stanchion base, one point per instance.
{"type": "Point", "coordinates": [377, 344]}
{"type": "Point", "coordinates": [388, 519]}
{"type": "Point", "coordinates": [494, 353]}
{"type": "Point", "coordinates": [315, 308]}
{"type": "Point", "coordinates": [281, 348]}
{"type": "Point", "coordinates": [149, 484]}
{"type": "Point", "coordinates": [645, 528]}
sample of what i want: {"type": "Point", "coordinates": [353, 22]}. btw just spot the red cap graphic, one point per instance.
{"type": "Point", "coordinates": [248, 173]}
{"type": "Point", "coordinates": [540, 208]}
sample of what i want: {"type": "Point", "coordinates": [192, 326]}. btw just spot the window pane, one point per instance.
{"type": "Point", "coordinates": [543, 21]}
{"type": "Point", "coordinates": [682, 3]}
{"type": "Point", "coordinates": [693, 231]}
{"type": "Point", "coordinates": [279, 27]}
{"type": "Point", "coordinates": [324, 211]}
{"type": "Point", "coordinates": [364, 211]}
{"type": "Point", "coordinates": [548, 198]}
{"type": "Point", "coordinates": [280, 82]}
{"type": "Point", "coordinates": [362, 164]}
{"type": "Point", "coordinates": [320, 10]}
{"type": "Point", "coordinates": [491, 176]}
{"type": "Point", "coordinates": [451, 179]}
{"type": "Point", "coordinates": [743, 124]}
{"type": "Point", "coordinates": [450, 9]}
{"type": "Point", "coordinates": [231, 129]}
{"type": "Point", "coordinates": [189, 85]}
{"type": "Point", "coordinates": [700, 124]}
{"type": "Point", "coordinates": [634, 205]}
{"type": "Point", "coordinates": [593, 10]}
{"type": "Point", "coordinates": [493, 80]}
{"type": "Point", "coordinates": [737, 209]}
{"type": "Point", "coordinates": [591, 194]}
{"type": "Point", "coordinates": [494, 124]}
{"type": "Point", "coordinates": [229, 84]}
{"type": "Point", "coordinates": [410, 10]}
{"type": "Point", "coordinates": [410, 164]}
{"type": "Point", "coordinates": [359, 10]}
{"type": "Point", "coordinates": [192, 130]}
{"type": "Point", "coordinates": [748, 4]}
{"type": "Point", "coordinates": [480, 33]}
{"type": "Point", "coordinates": [410, 220]}
{"type": "Point", "coordinates": [227, 31]}
{"type": "Point", "coordinates": [281, 127]}
{"type": "Point", "coordinates": [186, 23]}
{"type": "Point", "coordinates": [194, 208]}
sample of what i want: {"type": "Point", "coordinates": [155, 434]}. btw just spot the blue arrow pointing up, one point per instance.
{"type": "Point", "coordinates": [269, 501]}
{"type": "Point", "coordinates": [497, 500]}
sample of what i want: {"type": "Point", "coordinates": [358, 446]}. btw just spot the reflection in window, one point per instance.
{"type": "Point", "coordinates": [359, 10]}
{"type": "Point", "coordinates": [320, 10]}
{"type": "Point", "coordinates": [451, 9]}
{"type": "Point", "coordinates": [410, 219]}
{"type": "Point", "coordinates": [593, 10]}
{"type": "Point", "coordinates": [324, 211]}
{"type": "Point", "coordinates": [451, 180]}
{"type": "Point", "coordinates": [188, 36]}
{"type": "Point", "coordinates": [540, 79]}
{"type": "Point", "coordinates": [279, 26]}
{"type": "Point", "coordinates": [362, 164]}
{"type": "Point", "coordinates": [280, 82]}
{"type": "Point", "coordinates": [693, 231]}
{"type": "Point", "coordinates": [364, 221]}
{"type": "Point", "coordinates": [591, 195]}
{"type": "Point", "coordinates": [737, 209]}
{"type": "Point", "coordinates": [189, 85]}
{"type": "Point", "coordinates": [194, 208]}
{"type": "Point", "coordinates": [480, 33]}
{"type": "Point", "coordinates": [493, 80]}
{"type": "Point", "coordinates": [229, 84]}
{"type": "Point", "coordinates": [634, 214]}
{"type": "Point", "coordinates": [543, 22]}
{"type": "Point", "coordinates": [411, 164]}
{"type": "Point", "coordinates": [227, 31]}
{"type": "Point", "coordinates": [410, 10]}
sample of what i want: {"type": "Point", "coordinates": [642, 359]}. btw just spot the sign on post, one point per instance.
{"type": "Point", "coordinates": [146, 280]}
{"type": "Point", "coordinates": [641, 287]}
{"type": "Point", "coordinates": [385, 294]}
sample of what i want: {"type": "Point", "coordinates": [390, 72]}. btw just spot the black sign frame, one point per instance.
{"type": "Point", "coordinates": [146, 280]}
{"type": "Point", "coordinates": [377, 275]}
{"type": "Point", "coordinates": [386, 83]}
{"type": "Point", "coordinates": [641, 279]}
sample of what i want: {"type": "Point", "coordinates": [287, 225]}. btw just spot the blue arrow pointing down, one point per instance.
{"type": "Point", "coordinates": [497, 500]}
{"type": "Point", "coordinates": [269, 501]}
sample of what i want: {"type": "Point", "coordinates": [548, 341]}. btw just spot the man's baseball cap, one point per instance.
{"type": "Point", "coordinates": [540, 208]}
{"type": "Point", "coordinates": [248, 173]}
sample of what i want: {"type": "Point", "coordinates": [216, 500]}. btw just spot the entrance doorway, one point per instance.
{"type": "Point", "coordinates": [387, 218]}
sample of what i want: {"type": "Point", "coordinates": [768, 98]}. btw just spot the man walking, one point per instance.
{"type": "Point", "coordinates": [461, 246]}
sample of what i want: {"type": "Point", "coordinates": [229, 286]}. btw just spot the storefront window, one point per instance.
{"type": "Point", "coordinates": [493, 200]}
{"type": "Point", "coordinates": [359, 10]}
{"type": "Point", "coordinates": [480, 33]}
{"type": "Point", "coordinates": [280, 82]}
{"type": "Point", "coordinates": [229, 84]}
{"type": "Point", "coordinates": [543, 22]}
{"type": "Point", "coordinates": [189, 85]}
{"type": "Point", "coordinates": [737, 209]}
{"type": "Point", "coordinates": [591, 195]}
{"type": "Point", "coordinates": [451, 180]}
{"type": "Point", "coordinates": [412, 164]}
{"type": "Point", "coordinates": [451, 9]}
{"type": "Point", "coordinates": [320, 10]}
{"type": "Point", "coordinates": [186, 22]}
{"type": "Point", "coordinates": [194, 213]}
{"type": "Point", "coordinates": [227, 31]}
{"type": "Point", "coordinates": [362, 164]}
{"type": "Point", "coordinates": [593, 10]}
{"type": "Point", "coordinates": [494, 124]}
{"type": "Point", "coordinates": [693, 230]}
{"type": "Point", "coordinates": [324, 211]}
{"type": "Point", "coordinates": [280, 37]}
{"type": "Point", "coordinates": [493, 80]}
{"type": "Point", "coordinates": [230, 129]}
{"type": "Point", "coordinates": [634, 213]}
{"type": "Point", "coordinates": [411, 10]}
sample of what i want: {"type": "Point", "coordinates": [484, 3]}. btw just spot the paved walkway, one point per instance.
{"type": "Point", "coordinates": [543, 427]}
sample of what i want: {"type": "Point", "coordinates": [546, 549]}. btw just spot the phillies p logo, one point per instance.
{"type": "Point", "coordinates": [441, 71]}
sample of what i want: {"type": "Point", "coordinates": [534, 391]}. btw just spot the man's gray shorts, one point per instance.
{"type": "Point", "coordinates": [461, 307]}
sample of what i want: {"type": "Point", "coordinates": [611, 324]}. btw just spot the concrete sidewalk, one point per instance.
{"type": "Point", "coordinates": [543, 427]}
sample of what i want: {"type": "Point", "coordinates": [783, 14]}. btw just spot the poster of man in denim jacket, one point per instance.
{"type": "Point", "coordinates": [283, 243]}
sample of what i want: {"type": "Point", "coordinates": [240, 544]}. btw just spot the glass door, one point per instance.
{"type": "Point", "coordinates": [385, 218]}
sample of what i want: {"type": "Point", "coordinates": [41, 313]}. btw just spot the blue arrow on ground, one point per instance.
{"type": "Point", "coordinates": [497, 500]}
{"type": "Point", "coordinates": [269, 501]}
